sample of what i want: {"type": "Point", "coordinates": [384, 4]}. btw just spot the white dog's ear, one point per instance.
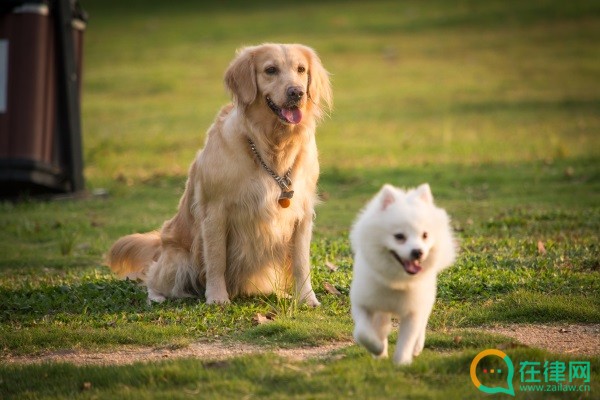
{"type": "Point", "coordinates": [387, 196]}
{"type": "Point", "coordinates": [319, 89]}
{"type": "Point", "coordinates": [424, 193]}
{"type": "Point", "coordinates": [240, 77]}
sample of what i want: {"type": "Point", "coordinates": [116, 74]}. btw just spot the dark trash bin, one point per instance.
{"type": "Point", "coordinates": [41, 46]}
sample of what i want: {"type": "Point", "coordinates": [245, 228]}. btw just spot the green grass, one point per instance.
{"type": "Point", "coordinates": [346, 373]}
{"type": "Point", "coordinates": [494, 103]}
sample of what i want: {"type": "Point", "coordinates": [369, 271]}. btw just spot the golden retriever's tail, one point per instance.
{"type": "Point", "coordinates": [131, 256]}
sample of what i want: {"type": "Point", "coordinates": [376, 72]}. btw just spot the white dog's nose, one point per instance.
{"type": "Point", "coordinates": [416, 254]}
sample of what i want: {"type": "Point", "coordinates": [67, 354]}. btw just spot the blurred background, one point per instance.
{"type": "Point", "coordinates": [495, 104]}
{"type": "Point", "coordinates": [419, 86]}
{"type": "Point", "coordinates": [415, 82]}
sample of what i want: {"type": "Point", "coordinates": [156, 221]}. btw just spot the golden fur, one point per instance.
{"type": "Point", "coordinates": [230, 237]}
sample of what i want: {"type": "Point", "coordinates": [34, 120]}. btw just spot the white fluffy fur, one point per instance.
{"type": "Point", "coordinates": [230, 237]}
{"type": "Point", "coordinates": [381, 286]}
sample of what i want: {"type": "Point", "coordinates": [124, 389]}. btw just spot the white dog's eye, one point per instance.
{"type": "Point", "coordinates": [400, 237]}
{"type": "Point", "coordinates": [425, 235]}
{"type": "Point", "coordinates": [301, 69]}
{"type": "Point", "coordinates": [271, 70]}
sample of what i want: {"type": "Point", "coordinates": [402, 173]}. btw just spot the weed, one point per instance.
{"type": "Point", "coordinates": [67, 240]}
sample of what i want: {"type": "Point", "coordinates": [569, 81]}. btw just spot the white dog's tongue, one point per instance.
{"type": "Point", "coordinates": [412, 267]}
{"type": "Point", "coordinates": [292, 115]}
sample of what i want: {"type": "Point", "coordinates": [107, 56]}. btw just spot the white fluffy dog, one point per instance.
{"type": "Point", "coordinates": [401, 241]}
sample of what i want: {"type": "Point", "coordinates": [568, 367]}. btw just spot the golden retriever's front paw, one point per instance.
{"type": "Point", "coordinates": [216, 296]}
{"type": "Point", "coordinates": [154, 296]}
{"type": "Point", "coordinates": [217, 300]}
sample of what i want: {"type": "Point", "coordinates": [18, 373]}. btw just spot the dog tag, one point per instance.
{"type": "Point", "coordinates": [285, 199]}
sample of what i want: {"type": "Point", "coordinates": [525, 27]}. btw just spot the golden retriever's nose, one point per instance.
{"type": "Point", "coordinates": [294, 93]}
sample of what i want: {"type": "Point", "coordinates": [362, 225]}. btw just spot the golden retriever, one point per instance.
{"type": "Point", "coordinates": [244, 222]}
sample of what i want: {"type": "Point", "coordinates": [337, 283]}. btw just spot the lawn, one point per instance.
{"type": "Point", "coordinates": [495, 104]}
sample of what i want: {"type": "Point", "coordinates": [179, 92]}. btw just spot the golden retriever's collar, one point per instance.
{"type": "Point", "coordinates": [284, 182]}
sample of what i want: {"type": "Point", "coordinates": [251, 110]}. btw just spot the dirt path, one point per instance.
{"type": "Point", "coordinates": [213, 351]}
{"type": "Point", "coordinates": [569, 339]}
{"type": "Point", "coordinates": [572, 339]}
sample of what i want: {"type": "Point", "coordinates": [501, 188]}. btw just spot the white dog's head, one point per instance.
{"type": "Point", "coordinates": [404, 229]}
{"type": "Point", "coordinates": [411, 231]}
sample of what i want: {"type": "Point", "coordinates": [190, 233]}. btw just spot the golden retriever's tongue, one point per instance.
{"type": "Point", "coordinates": [292, 115]}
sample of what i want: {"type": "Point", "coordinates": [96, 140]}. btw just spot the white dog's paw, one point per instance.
{"type": "Point", "coordinates": [419, 346]}
{"type": "Point", "coordinates": [418, 350]}
{"type": "Point", "coordinates": [371, 342]}
{"type": "Point", "coordinates": [382, 356]}
{"type": "Point", "coordinates": [384, 353]}
{"type": "Point", "coordinates": [402, 359]}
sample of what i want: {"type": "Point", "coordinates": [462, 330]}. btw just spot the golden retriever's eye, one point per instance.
{"type": "Point", "coordinates": [271, 70]}
{"type": "Point", "coordinates": [301, 69]}
{"type": "Point", "coordinates": [400, 237]}
{"type": "Point", "coordinates": [425, 235]}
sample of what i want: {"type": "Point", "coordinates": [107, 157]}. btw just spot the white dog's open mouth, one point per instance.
{"type": "Point", "coordinates": [291, 115]}
{"type": "Point", "coordinates": [411, 267]}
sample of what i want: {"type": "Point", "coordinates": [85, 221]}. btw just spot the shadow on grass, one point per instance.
{"type": "Point", "coordinates": [103, 296]}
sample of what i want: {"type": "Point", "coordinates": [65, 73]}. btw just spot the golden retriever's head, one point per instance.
{"type": "Point", "coordinates": [285, 82]}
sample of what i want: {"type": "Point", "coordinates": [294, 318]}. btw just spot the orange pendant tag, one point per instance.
{"type": "Point", "coordinates": [285, 199]}
{"type": "Point", "coordinates": [284, 203]}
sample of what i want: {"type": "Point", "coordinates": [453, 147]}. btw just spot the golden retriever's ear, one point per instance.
{"type": "Point", "coordinates": [240, 77]}
{"type": "Point", "coordinates": [319, 87]}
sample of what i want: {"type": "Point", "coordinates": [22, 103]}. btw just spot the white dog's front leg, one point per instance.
{"type": "Point", "coordinates": [214, 254]}
{"type": "Point", "coordinates": [382, 323]}
{"type": "Point", "coordinates": [420, 344]}
{"type": "Point", "coordinates": [366, 334]}
{"type": "Point", "coordinates": [408, 334]}
{"type": "Point", "coordinates": [301, 263]}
